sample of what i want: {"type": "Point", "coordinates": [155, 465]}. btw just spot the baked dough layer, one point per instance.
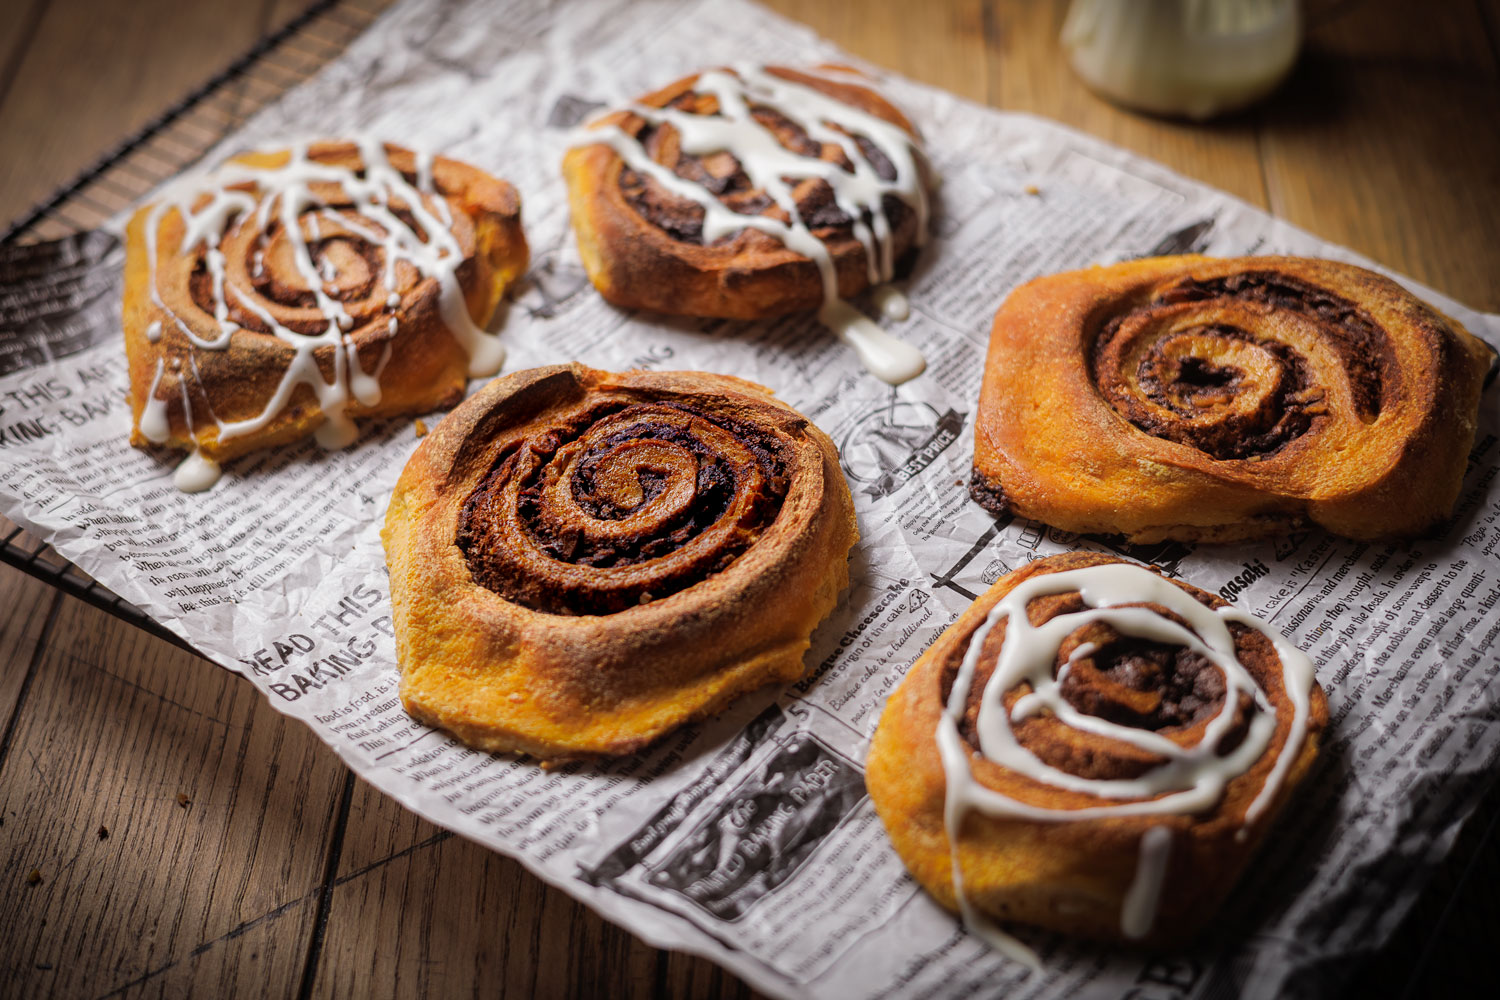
{"type": "Point", "coordinates": [696, 604]}
{"type": "Point", "coordinates": [642, 245]}
{"type": "Point", "coordinates": [1223, 399]}
{"type": "Point", "coordinates": [1075, 874]}
{"type": "Point", "coordinates": [397, 334]}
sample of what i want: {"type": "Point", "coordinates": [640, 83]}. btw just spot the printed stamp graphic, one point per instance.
{"type": "Point", "coordinates": [759, 837]}
{"type": "Point", "coordinates": [891, 445]}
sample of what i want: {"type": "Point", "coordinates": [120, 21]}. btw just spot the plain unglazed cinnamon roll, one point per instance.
{"type": "Point", "coordinates": [582, 561]}
{"type": "Point", "coordinates": [754, 192]}
{"type": "Point", "coordinates": [1095, 749]}
{"type": "Point", "coordinates": [1221, 399]}
{"type": "Point", "coordinates": [289, 292]}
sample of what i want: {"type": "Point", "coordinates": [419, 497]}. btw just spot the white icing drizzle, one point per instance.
{"type": "Point", "coordinates": [366, 388]}
{"type": "Point", "coordinates": [232, 194]}
{"type": "Point", "coordinates": [153, 422]}
{"type": "Point", "coordinates": [1190, 780]}
{"type": "Point", "coordinates": [774, 169]}
{"type": "Point", "coordinates": [1139, 913]}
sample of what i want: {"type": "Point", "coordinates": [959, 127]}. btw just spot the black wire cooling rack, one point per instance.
{"type": "Point", "coordinates": [163, 148]}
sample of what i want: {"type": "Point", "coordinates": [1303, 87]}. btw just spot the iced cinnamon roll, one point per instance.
{"type": "Point", "coordinates": [1209, 399]}
{"type": "Point", "coordinates": [1094, 749]}
{"type": "Point", "coordinates": [288, 293]}
{"type": "Point", "coordinates": [582, 561]}
{"type": "Point", "coordinates": [754, 192]}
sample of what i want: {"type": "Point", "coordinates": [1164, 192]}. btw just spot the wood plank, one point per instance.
{"type": "Point", "coordinates": [1490, 11]}
{"type": "Point", "coordinates": [15, 32]}
{"type": "Point", "coordinates": [279, 12]}
{"type": "Point", "coordinates": [177, 824]}
{"type": "Point", "coordinates": [28, 602]}
{"type": "Point", "coordinates": [944, 46]}
{"type": "Point", "coordinates": [1385, 140]}
{"type": "Point", "coordinates": [289, 65]}
{"type": "Point", "coordinates": [1029, 72]}
{"type": "Point", "coordinates": [432, 914]}
{"type": "Point", "coordinates": [140, 56]}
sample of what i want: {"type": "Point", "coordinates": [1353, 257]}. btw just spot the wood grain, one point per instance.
{"type": "Point", "coordinates": [139, 55]}
{"type": "Point", "coordinates": [284, 876]}
{"type": "Point", "coordinates": [177, 825]}
{"type": "Point", "coordinates": [437, 915]}
{"type": "Point", "coordinates": [944, 44]}
{"type": "Point", "coordinates": [16, 30]}
{"type": "Point", "coordinates": [1029, 72]}
{"type": "Point", "coordinates": [28, 605]}
{"type": "Point", "coordinates": [1387, 139]}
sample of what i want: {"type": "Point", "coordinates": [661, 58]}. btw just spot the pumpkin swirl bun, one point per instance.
{"type": "Point", "coordinates": [1094, 749]}
{"type": "Point", "coordinates": [287, 293]}
{"type": "Point", "coordinates": [1222, 399]}
{"type": "Point", "coordinates": [750, 193]}
{"type": "Point", "coordinates": [582, 561]}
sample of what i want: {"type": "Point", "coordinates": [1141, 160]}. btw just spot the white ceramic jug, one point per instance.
{"type": "Point", "coordinates": [1195, 58]}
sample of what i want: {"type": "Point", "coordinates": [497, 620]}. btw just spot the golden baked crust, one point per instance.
{"type": "Point", "coordinates": [1074, 874]}
{"type": "Point", "coordinates": [639, 242]}
{"type": "Point", "coordinates": [170, 293]}
{"type": "Point", "coordinates": [582, 561]}
{"type": "Point", "coordinates": [1222, 399]}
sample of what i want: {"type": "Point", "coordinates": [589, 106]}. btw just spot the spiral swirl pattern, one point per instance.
{"type": "Point", "coordinates": [1194, 398]}
{"type": "Point", "coordinates": [751, 193]}
{"type": "Point", "coordinates": [621, 506]}
{"type": "Point", "coordinates": [1084, 731]}
{"type": "Point", "coordinates": [1117, 689]}
{"type": "Point", "coordinates": [266, 269]}
{"type": "Point", "coordinates": [1200, 364]}
{"type": "Point", "coordinates": [333, 238]}
{"type": "Point", "coordinates": [289, 292]}
{"type": "Point", "coordinates": [720, 173]}
{"type": "Point", "coordinates": [581, 560]}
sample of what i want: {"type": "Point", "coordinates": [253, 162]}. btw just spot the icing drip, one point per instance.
{"type": "Point", "coordinates": [892, 302]}
{"type": "Point", "coordinates": [154, 415]}
{"type": "Point", "coordinates": [196, 473]}
{"type": "Point", "coordinates": [1190, 780]}
{"type": "Point", "coordinates": [221, 202]}
{"type": "Point", "coordinates": [774, 169]}
{"type": "Point", "coordinates": [1139, 914]}
{"type": "Point", "coordinates": [366, 388]}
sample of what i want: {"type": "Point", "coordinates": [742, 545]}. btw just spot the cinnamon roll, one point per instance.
{"type": "Point", "coordinates": [1095, 749]}
{"type": "Point", "coordinates": [582, 561]}
{"type": "Point", "coordinates": [750, 193]}
{"type": "Point", "coordinates": [1221, 399]}
{"type": "Point", "coordinates": [287, 293]}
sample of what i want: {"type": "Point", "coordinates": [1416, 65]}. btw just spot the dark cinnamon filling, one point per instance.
{"type": "Point", "coordinates": [1211, 403]}
{"type": "Point", "coordinates": [989, 494]}
{"type": "Point", "coordinates": [1190, 386]}
{"type": "Point", "coordinates": [1355, 336]}
{"type": "Point", "coordinates": [620, 505]}
{"type": "Point", "coordinates": [721, 174]}
{"type": "Point", "coordinates": [1145, 685]}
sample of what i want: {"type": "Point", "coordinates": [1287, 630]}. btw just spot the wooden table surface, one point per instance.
{"type": "Point", "coordinates": [163, 830]}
